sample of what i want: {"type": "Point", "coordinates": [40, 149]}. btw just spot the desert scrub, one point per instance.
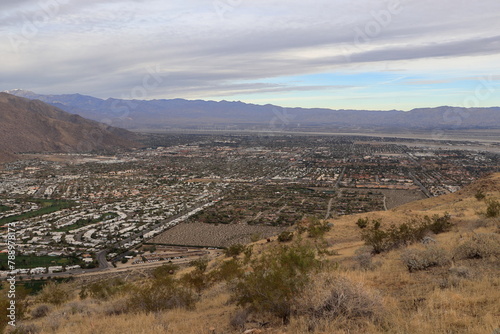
{"type": "Point", "coordinates": [40, 311]}
{"type": "Point", "coordinates": [160, 294]}
{"type": "Point", "coordinates": [275, 279]}
{"type": "Point", "coordinates": [405, 234]}
{"type": "Point", "coordinates": [54, 293]}
{"type": "Point", "coordinates": [421, 259]}
{"type": "Point", "coordinates": [103, 290]}
{"type": "Point", "coordinates": [479, 246]}
{"type": "Point", "coordinates": [332, 296]}
{"type": "Point", "coordinates": [493, 209]}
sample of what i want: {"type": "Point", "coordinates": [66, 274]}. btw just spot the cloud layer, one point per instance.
{"type": "Point", "coordinates": [256, 50]}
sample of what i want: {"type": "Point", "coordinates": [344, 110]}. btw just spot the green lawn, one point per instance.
{"type": "Point", "coordinates": [28, 261]}
{"type": "Point", "coordinates": [87, 221]}
{"type": "Point", "coordinates": [4, 208]}
{"type": "Point", "coordinates": [47, 206]}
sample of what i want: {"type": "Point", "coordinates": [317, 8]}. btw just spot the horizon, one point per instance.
{"type": "Point", "coordinates": [10, 91]}
{"type": "Point", "coordinates": [383, 55]}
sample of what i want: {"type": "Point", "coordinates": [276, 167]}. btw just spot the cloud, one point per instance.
{"type": "Point", "coordinates": [105, 48]}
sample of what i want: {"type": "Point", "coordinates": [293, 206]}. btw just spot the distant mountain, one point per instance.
{"type": "Point", "coordinates": [159, 114]}
{"type": "Point", "coordinates": [34, 126]}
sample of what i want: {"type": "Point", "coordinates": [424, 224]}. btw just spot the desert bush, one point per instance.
{"type": "Point", "coordinates": [317, 228]}
{"type": "Point", "coordinates": [234, 250]}
{"type": "Point", "coordinates": [165, 270]}
{"type": "Point", "coordinates": [103, 290]}
{"type": "Point", "coordinates": [493, 209]}
{"type": "Point", "coordinates": [200, 264]}
{"type": "Point", "coordinates": [362, 222]}
{"type": "Point", "coordinates": [158, 295]}
{"type": "Point", "coordinates": [405, 234]}
{"type": "Point", "coordinates": [239, 319]}
{"type": "Point", "coordinates": [196, 280]}
{"type": "Point", "coordinates": [40, 311]}
{"type": "Point", "coordinates": [329, 296]}
{"type": "Point", "coordinates": [227, 271]}
{"type": "Point", "coordinates": [277, 277]}
{"type": "Point", "coordinates": [115, 307]}
{"type": "Point", "coordinates": [54, 293]}
{"type": "Point", "coordinates": [479, 246]}
{"type": "Point", "coordinates": [285, 236]}
{"type": "Point", "coordinates": [462, 272]}
{"type": "Point", "coordinates": [421, 259]}
{"type": "Point", "coordinates": [437, 224]}
{"type": "Point", "coordinates": [479, 195]}
{"type": "Point", "coordinates": [364, 259]}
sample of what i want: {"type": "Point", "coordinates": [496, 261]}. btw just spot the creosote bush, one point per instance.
{"type": "Point", "coordinates": [405, 234]}
{"type": "Point", "coordinates": [479, 246]}
{"type": "Point", "coordinates": [285, 236]}
{"type": "Point", "coordinates": [160, 294]}
{"type": "Point", "coordinates": [277, 277]}
{"type": "Point", "coordinates": [234, 250]}
{"type": "Point", "coordinates": [421, 259]}
{"type": "Point", "coordinates": [54, 293]}
{"type": "Point", "coordinates": [493, 209]}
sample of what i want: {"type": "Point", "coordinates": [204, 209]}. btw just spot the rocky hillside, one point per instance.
{"type": "Point", "coordinates": [34, 126]}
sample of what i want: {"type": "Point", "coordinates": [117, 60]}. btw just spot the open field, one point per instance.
{"type": "Point", "coordinates": [210, 235]}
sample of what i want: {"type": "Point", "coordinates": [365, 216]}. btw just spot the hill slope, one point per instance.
{"type": "Point", "coordinates": [353, 291]}
{"type": "Point", "coordinates": [34, 126]}
{"type": "Point", "coordinates": [158, 114]}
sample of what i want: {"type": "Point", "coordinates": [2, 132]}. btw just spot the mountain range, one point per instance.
{"type": "Point", "coordinates": [180, 113]}
{"type": "Point", "coordinates": [34, 126]}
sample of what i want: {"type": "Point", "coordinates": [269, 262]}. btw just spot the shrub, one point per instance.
{"type": "Point", "coordinates": [160, 295]}
{"type": "Point", "coordinates": [239, 319]}
{"type": "Point", "coordinates": [479, 246]}
{"type": "Point", "coordinates": [439, 224]}
{"type": "Point", "coordinates": [228, 271]}
{"type": "Point", "coordinates": [405, 234]}
{"type": "Point", "coordinates": [40, 311]}
{"type": "Point", "coordinates": [317, 229]}
{"type": "Point", "coordinates": [103, 290]}
{"type": "Point", "coordinates": [277, 277]}
{"type": "Point", "coordinates": [362, 222]}
{"type": "Point", "coordinates": [480, 195]}
{"type": "Point", "coordinates": [329, 296]}
{"type": "Point", "coordinates": [200, 264]}
{"type": "Point", "coordinates": [416, 259]}
{"type": "Point", "coordinates": [164, 270]}
{"type": "Point", "coordinates": [234, 250]}
{"type": "Point", "coordinates": [493, 209]}
{"type": "Point", "coordinates": [364, 259]}
{"type": "Point", "coordinates": [285, 236]}
{"type": "Point", "coordinates": [115, 307]}
{"type": "Point", "coordinates": [55, 294]}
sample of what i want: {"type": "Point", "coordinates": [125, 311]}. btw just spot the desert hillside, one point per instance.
{"type": "Point", "coordinates": [33, 126]}
{"type": "Point", "coordinates": [430, 266]}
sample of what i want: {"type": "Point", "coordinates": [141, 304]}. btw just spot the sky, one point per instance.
{"type": "Point", "coordinates": [339, 54]}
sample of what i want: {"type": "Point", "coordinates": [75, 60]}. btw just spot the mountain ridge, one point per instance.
{"type": "Point", "coordinates": [166, 113]}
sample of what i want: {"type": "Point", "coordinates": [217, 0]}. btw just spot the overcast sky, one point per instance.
{"type": "Point", "coordinates": [338, 54]}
